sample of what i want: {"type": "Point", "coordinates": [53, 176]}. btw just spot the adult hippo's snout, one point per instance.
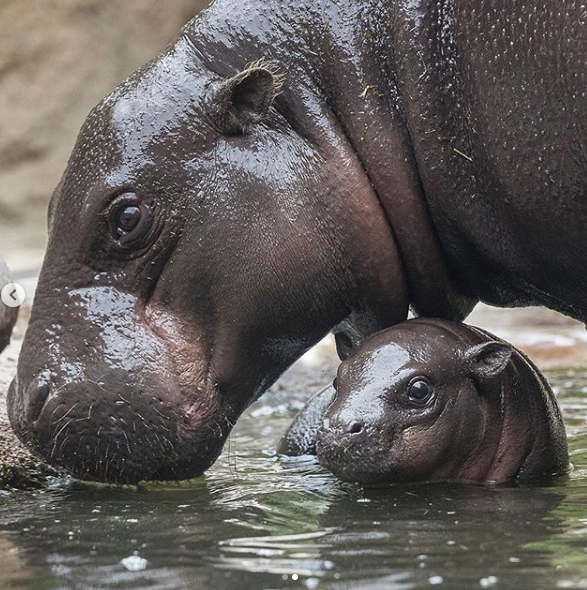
{"type": "Point", "coordinates": [102, 394]}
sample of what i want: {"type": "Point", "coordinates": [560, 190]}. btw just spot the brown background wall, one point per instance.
{"type": "Point", "coordinates": [57, 59]}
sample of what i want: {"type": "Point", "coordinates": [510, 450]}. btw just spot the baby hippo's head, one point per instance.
{"type": "Point", "coordinates": [419, 401]}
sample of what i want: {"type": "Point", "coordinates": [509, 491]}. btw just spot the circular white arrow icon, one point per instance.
{"type": "Point", "coordinates": [13, 295]}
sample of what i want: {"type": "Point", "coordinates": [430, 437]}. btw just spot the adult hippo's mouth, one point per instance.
{"type": "Point", "coordinates": [120, 410]}
{"type": "Point", "coordinates": [105, 452]}
{"type": "Point", "coordinates": [125, 440]}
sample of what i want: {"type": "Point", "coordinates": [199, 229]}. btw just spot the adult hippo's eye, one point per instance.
{"type": "Point", "coordinates": [129, 219]}
{"type": "Point", "coordinates": [420, 392]}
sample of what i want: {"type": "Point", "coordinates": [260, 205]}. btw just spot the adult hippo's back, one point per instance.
{"type": "Point", "coordinates": [282, 170]}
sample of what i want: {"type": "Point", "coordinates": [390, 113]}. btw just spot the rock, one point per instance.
{"type": "Point", "coordinates": [18, 468]}
{"type": "Point", "coordinates": [8, 315]}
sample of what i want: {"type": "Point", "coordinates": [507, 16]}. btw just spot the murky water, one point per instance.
{"type": "Point", "coordinates": [257, 522]}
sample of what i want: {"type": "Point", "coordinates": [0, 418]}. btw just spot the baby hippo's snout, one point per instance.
{"type": "Point", "coordinates": [356, 427]}
{"type": "Point", "coordinates": [352, 448]}
{"type": "Point", "coordinates": [340, 429]}
{"type": "Point", "coordinates": [341, 433]}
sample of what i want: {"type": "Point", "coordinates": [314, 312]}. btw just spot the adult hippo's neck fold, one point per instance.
{"type": "Point", "coordinates": [341, 74]}
{"type": "Point", "coordinates": [366, 96]}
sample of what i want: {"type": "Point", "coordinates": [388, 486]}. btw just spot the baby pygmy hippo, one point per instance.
{"type": "Point", "coordinates": [432, 400]}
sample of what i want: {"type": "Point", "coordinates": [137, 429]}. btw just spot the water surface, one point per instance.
{"type": "Point", "coordinates": [257, 522]}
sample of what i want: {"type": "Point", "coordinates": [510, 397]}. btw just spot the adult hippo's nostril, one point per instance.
{"type": "Point", "coordinates": [38, 394]}
{"type": "Point", "coordinates": [24, 410]}
{"type": "Point", "coordinates": [355, 427]}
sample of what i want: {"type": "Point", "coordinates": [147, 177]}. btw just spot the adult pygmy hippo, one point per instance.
{"type": "Point", "coordinates": [288, 168]}
{"type": "Point", "coordinates": [437, 401]}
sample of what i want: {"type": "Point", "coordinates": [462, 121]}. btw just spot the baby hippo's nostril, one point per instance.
{"type": "Point", "coordinates": [355, 427]}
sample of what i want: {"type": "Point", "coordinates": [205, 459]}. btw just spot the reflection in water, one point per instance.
{"type": "Point", "coordinates": [259, 522]}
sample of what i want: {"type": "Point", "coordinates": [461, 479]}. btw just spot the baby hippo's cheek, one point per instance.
{"type": "Point", "coordinates": [427, 449]}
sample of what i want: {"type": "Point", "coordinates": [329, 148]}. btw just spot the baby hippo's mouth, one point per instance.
{"type": "Point", "coordinates": [354, 453]}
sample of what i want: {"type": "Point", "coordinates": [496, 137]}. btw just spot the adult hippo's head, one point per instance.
{"type": "Point", "coordinates": [196, 250]}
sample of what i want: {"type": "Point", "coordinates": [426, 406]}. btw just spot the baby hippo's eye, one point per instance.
{"type": "Point", "coordinates": [419, 392]}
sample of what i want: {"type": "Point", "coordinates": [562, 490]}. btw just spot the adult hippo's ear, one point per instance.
{"type": "Point", "coordinates": [488, 359]}
{"type": "Point", "coordinates": [244, 100]}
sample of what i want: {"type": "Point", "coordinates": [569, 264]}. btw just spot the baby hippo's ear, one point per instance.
{"type": "Point", "coordinates": [244, 100]}
{"type": "Point", "coordinates": [488, 359]}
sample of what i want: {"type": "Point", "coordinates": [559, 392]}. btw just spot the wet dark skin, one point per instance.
{"type": "Point", "coordinates": [431, 400]}
{"type": "Point", "coordinates": [217, 218]}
